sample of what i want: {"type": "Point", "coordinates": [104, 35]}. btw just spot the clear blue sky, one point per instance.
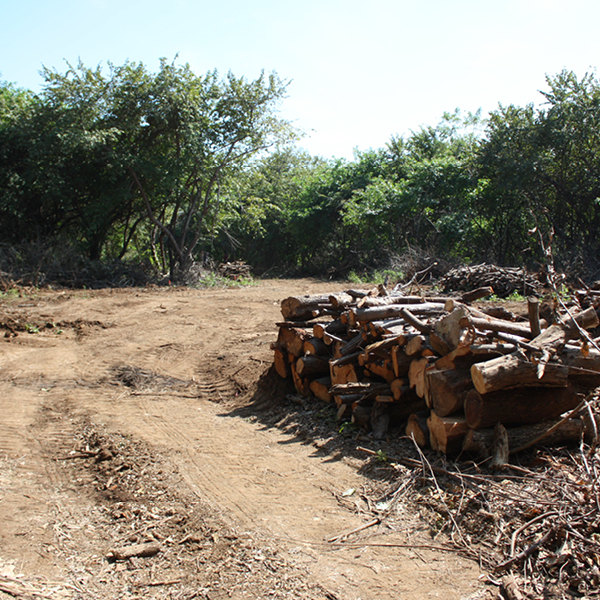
{"type": "Point", "coordinates": [359, 71]}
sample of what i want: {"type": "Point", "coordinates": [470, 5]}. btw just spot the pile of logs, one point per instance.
{"type": "Point", "coordinates": [504, 280]}
{"type": "Point", "coordinates": [234, 270]}
{"type": "Point", "coordinates": [460, 378]}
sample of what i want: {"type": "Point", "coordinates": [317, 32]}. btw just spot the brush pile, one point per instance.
{"type": "Point", "coordinates": [484, 380]}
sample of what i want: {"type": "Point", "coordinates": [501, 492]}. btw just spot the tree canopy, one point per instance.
{"type": "Point", "coordinates": [170, 166]}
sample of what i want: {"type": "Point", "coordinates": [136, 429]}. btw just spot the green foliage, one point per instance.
{"type": "Point", "coordinates": [169, 168]}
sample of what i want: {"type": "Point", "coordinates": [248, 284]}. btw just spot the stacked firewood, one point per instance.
{"type": "Point", "coordinates": [504, 280]}
{"type": "Point", "coordinates": [485, 381]}
{"type": "Point", "coordinates": [234, 270]}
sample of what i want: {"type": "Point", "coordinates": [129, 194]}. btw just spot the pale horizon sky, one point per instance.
{"type": "Point", "coordinates": [359, 72]}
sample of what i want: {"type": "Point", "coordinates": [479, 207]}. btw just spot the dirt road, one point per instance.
{"type": "Point", "coordinates": [122, 423]}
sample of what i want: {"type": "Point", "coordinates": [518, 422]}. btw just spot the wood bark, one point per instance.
{"type": "Point", "coordinates": [297, 308]}
{"type": "Point", "coordinates": [559, 334]}
{"type": "Point", "coordinates": [400, 361]}
{"type": "Point", "coordinates": [365, 315]}
{"type": "Point", "coordinates": [518, 406]}
{"type": "Point", "coordinates": [513, 371]}
{"type": "Point", "coordinates": [473, 295]}
{"type": "Point", "coordinates": [335, 327]}
{"type": "Point", "coordinates": [584, 368]}
{"type": "Point", "coordinates": [363, 389]}
{"type": "Point", "coordinates": [315, 346]}
{"type": "Point", "coordinates": [533, 311]}
{"type": "Point", "coordinates": [490, 324]}
{"type": "Point", "coordinates": [311, 365]}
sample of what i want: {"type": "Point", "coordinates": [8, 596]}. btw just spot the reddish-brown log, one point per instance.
{"type": "Point", "coordinates": [518, 406]}
{"type": "Point", "coordinates": [446, 434]}
{"type": "Point", "coordinates": [416, 428]}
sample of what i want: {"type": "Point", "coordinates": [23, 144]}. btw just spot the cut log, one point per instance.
{"type": "Point", "coordinates": [398, 387]}
{"type": "Point", "coordinates": [446, 390]}
{"type": "Point", "coordinates": [370, 302]}
{"type": "Point", "coordinates": [518, 406]}
{"type": "Point", "coordinates": [320, 388]}
{"type": "Point", "coordinates": [335, 327]}
{"type": "Point", "coordinates": [347, 399]}
{"type": "Point", "coordinates": [449, 361]}
{"type": "Point", "coordinates": [498, 325]}
{"type": "Point", "coordinates": [383, 348]}
{"type": "Point", "coordinates": [559, 334]}
{"type": "Point", "coordinates": [449, 331]}
{"type": "Point", "coordinates": [446, 434]}
{"type": "Point", "coordinates": [408, 404]}
{"type": "Point", "coordinates": [477, 294]}
{"type": "Point", "coordinates": [343, 373]}
{"type": "Point", "coordinates": [315, 346]}
{"type": "Point", "coordinates": [584, 369]}
{"type": "Point", "coordinates": [282, 365]}
{"type": "Point", "coordinates": [479, 441]}
{"type": "Point", "coordinates": [414, 344]}
{"type": "Point", "coordinates": [381, 368]}
{"type": "Point", "coordinates": [363, 389]}
{"type": "Point", "coordinates": [400, 361]}
{"type": "Point", "coordinates": [341, 300]}
{"type": "Point", "coordinates": [311, 365]}
{"type": "Point", "coordinates": [361, 416]}
{"type": "Point", "coordinates": [365, 315]}
{"type": "Point", "coordinates": [416, 376]}
{"type": "Point", "coordinates": [302, 384]}
{"type": "Point", "coordinates": [292, 340]}
{"type": "Point", "coordinates": [298, 308]}
{"type": "Point", "coordinates": [417, 429]}
{"type": "Point", "coordinates": [513, 371]}
{"type": "Point", "coordinates": [411, 319]}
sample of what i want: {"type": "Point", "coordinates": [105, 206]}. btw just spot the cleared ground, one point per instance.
{"type": "Point", "coordinates": [137, 416]}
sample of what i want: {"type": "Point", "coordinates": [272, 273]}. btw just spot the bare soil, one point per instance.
{"type": "Point", "coordinates": [139, 416]}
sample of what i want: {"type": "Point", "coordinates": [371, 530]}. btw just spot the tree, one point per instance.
{"type": "Point", "coordinates": [175, 135]}
{"type": "Point", "coordinates": [542, 172]}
